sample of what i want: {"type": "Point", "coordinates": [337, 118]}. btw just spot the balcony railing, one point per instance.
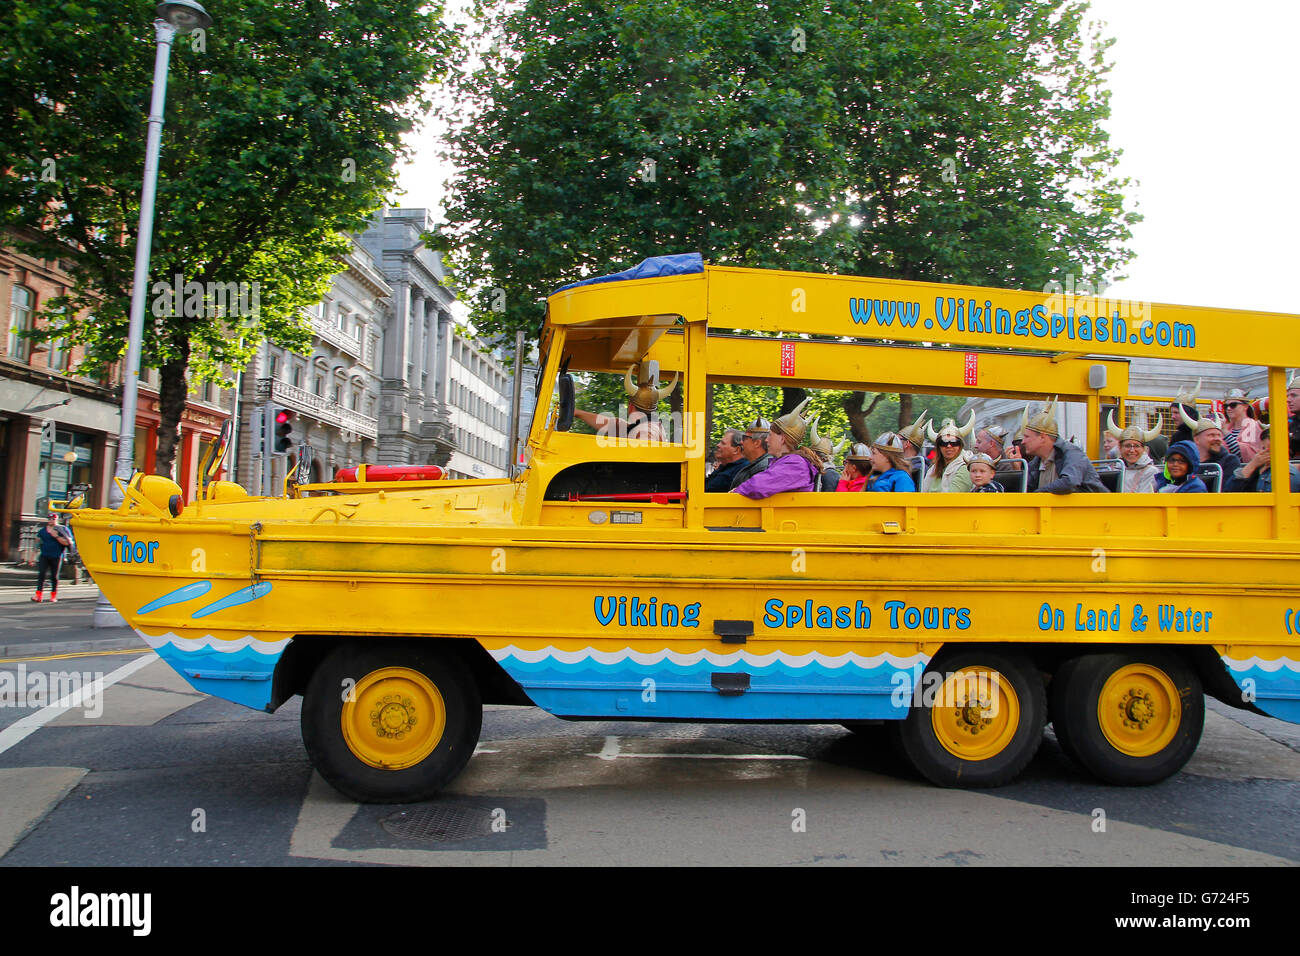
{"type": "Point", "coordinates": [337, 338]}
{"type": "Point", "coordinates": [318, 407]}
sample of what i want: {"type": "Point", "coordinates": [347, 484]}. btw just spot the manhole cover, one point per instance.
{"type": "Point", "coordinates": [439, 824]}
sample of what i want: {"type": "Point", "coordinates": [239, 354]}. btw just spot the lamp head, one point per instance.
{"type": "Point", "coordinates": [184, 15]}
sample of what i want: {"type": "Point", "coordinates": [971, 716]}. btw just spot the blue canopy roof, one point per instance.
{"type": "Point", "coordinates": [656, 267]}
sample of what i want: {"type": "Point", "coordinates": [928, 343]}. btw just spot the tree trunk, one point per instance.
{"type": "Point", "coordinates": [858, 410]}
{"type": "Point", "coordinates": [790, 397]}
{"type": "Point", "coordinates": [172, 391]}
{"type": "Point", "coordinates": [904, 410]}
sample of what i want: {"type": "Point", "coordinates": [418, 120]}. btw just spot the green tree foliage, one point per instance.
{"type": "Point", "coordinates": [283, 122]}
{"type": "Point", "coordinates": [936, 140]}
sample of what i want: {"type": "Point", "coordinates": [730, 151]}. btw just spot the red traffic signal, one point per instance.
{"type": "Point", "coordinates": [283, 430]}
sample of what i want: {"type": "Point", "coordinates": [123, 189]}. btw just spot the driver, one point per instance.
{"type": "Point", "coordinates": [642, 401]}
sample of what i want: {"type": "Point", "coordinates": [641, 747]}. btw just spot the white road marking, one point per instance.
{"type": "Point", "coordinates": [609, 751]}
{"type": "Point", "coordinates": [24, 727]}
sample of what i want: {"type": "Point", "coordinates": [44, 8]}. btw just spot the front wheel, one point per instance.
{"type": "Point", "coordinates": [977, 720]}
{"type": "Point", "coordinates": [1131, 718]}
{"type": "Point", "coordinates": [390, 722]}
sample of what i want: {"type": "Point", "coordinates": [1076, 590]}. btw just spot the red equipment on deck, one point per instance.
{"type": "Point", "coordinates": [390, 473]}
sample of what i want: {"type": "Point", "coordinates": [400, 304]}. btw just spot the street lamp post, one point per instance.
{"type": "Point", "coordinates": [175, 17]}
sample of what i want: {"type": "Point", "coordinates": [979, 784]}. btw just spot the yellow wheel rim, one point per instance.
{"type": "Point", "coordinates": [1139, 710]}
{"type": "Point", "coordinates": [393, 718]}
{"type": "Point", "coordinates": [975, 713]}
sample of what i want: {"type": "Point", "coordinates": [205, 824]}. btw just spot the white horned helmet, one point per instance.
{"type": "Point", "coordinates": [1134, 433]}
{"type": "Point", "coordinates": [792, 424]}
{"type": "Point", "coordinates": [890, 444]}
{"type": "Point", "coordinates": [647, 395]}
{"type": "Point", "coordinates": [822, 445]}
{"type": "Point", "coordinates": [1188, 398]}
{"type": "Point", "coordinates": [915, 432]}
{"type": "Point", "coordinates": [1020, 426]}
{"type": "Point", "coordinates": [1044, 422]}
{"type": "Point", "coordinates": [1199, 425]}
{"type": "Point", "coordinates": [859, 454]}
{"type": "Point", "coordinates": [950, 431]}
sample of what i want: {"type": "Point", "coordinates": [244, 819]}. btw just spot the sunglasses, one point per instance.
{"type": "Point", "coordinates": [948, 444]}
{"type": "Point", "coordinates": [1232, 404]}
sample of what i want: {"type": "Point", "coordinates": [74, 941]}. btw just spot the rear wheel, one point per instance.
{"type": "Point", "coordinates": [979, 720]}
{"type": "Point", "coordinates": [390, 722]}
{"type": "Point", "coordinates": [1130, 718]}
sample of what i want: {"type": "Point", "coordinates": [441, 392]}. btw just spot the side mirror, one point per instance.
{"type": "Point", "coordinates": [568, 402]}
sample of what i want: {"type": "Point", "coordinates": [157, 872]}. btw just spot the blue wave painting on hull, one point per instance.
{"type": "Point", "coordinates": [242, 676]}
{"type": "Point", "coordinates": [187, 593]}
{"type": "Point", "coordinates": [242, 596]}
{"type": "Point", "coordinates": [1275, 692]}
{"type": "Point", "coordinates": [777, 691]}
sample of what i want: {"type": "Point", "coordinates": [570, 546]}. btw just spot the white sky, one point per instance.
{"type": "Point", "coordinates": [1204, 106]}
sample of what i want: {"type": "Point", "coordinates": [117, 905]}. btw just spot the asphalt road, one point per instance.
{"type": "Point", "coordinates": [147, 771]}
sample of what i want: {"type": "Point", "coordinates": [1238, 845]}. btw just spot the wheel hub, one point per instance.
{"type": "Point", "coordinates": [1139, 710]}
{"type": "Point", "coordinates": [976, 713]}
{"type": "Point", "coordinates": [393, 718]}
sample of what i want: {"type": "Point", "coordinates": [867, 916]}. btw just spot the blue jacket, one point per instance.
{"type": "Point", "coordinates": [1191, 484]}
{"type": "Point", "coordinates": [895, 479]}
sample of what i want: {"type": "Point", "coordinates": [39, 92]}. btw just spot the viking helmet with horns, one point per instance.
{"type": "Point", "coordinates": [949, 430]}
{"type": "Point", "coordinates": [1020, 426]}
{"type": "Point", "coordinates": [1134, 433]}
{"type": "Point", "coordinates": [1044, 422]}
{"type": "Point", "coordinates": [822, 445]}
{"type": "Point", "coordinates": [1188, 398]}
{"type": "Point", "coordinates": [647, 395]}
{"type": "Point", "coordinates": [792, 424]}
{"type": "Point", "coordinates": [1199, 425]}
{"type": "Point", "coordinates": [915, 432]}
{"type": "Point", "coordinates": [859, 453]}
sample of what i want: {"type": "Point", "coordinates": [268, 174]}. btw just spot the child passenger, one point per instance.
{"type": "Point", "coordinates": [982, 470]}
{"type": "Point", "coordinates": [887, 465]}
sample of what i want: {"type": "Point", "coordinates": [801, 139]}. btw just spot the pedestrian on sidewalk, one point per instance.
{"type": "Point", "coordinates": [54, 542]}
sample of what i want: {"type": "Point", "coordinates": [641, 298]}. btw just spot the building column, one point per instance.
{"type": "Point", "coordinates": [418, 356]}
{"type": "Point", "coordinates": [396, 340]}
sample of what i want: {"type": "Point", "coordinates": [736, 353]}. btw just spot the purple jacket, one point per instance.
{"type": "Point", "coordinates": [788, 473]}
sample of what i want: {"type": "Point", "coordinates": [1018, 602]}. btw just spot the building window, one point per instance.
{"type": "Point", "coordinates": [60, 354]}
{"type": "Point", "coordinates": [338, 394]}
{"type": "Point", "coordinates": [297, 377]}
{"type": "Point", "coordinates": [64, 462]}
{"type": "Point", "coordinates": [21, 303]}
{"type": "Point", "coordinates": [319, 386]}
{"type": "Point", "coordinates": [275, 366]}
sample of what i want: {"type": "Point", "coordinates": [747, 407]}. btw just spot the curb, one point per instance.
{"type": "Point", "coordinates": [132, 643]}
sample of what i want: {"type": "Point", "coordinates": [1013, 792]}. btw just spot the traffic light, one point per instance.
{"type": "Point", "coordinates": [283, 430]}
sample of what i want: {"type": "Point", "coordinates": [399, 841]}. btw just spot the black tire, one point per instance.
{"type": "Point", "coordinates": [386, 762]}
{"type": "Point", "coordinates": [1152, 727]}
{"type": "Point", "coordinates": [1055, 703]}
{"type": "Point", "coordinates": [1019, 728]}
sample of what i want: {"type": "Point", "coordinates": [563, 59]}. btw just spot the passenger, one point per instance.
{"type": "Point", "coordinates": [1109, 446]}
{"type": "Point", "coordinates": [826, 452]}
{"type": "Point", "coordinates": [727, 459]}
{"type": "Point", "coordinates": [1242, 434]}
{"type": "Point", "coordinates": [642, 402]}
{"type": "Point", "coordinates": [1181, 467]}
{"type": "Point", "coordinates": [990, 441]}
{"type": "Point", "coordinates": [1293, 414]}
{"type": "Point", "coordinates": [792, 468]}
{"type": "Point", "coordinates": [1061, 467]}
{"type": "Point", "coordinates": [949, 473]}
{"type": "Point", "coordinates": [1257, 474]}
{"type": "Point", "coordinates": [1139, 473]}
{"type": "Point", "coordinates": [1183, 407]}
{"type": "Point", "coordinates": [913, 436]}
{"type": "Point", "coordinates": [1207, 433]}
{"type": "Point", "coordinates": [754, 448]}
{"type": "Point", "coordinates": [982, 472]}
{"type": "Point", "coordinates": [887, 464]}
{"type": "Point", "coordinates": [857, 466]}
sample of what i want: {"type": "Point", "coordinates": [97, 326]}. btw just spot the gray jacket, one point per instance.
{"type": "Point", "coordinates": [755, 467]}
{"type": "Point", "coordinates": [1074, 472]}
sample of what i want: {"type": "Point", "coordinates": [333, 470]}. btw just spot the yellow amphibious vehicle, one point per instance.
{"type": "Point", "coordinates": [603, 582]}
